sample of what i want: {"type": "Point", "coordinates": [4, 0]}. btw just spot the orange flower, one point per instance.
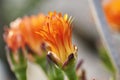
{"type": "Point", "coordinates": [28, 26]}
{"type": "Point", "coordinates": [54, 29]}
{"type": "Point", "coordinates": [22, 31]}
{"type": "Point", "coordinates": [112, 12]}
{"type": "Point", "coordinates": [57, 32]}
{"type": "Point", "coordinates": [14, 37]}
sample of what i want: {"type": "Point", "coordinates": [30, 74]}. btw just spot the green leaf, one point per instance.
{"type": "Point", "coordinates": [107, 61]}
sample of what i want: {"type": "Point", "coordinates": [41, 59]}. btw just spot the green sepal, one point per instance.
{"type": "Point", "coordinates": [69, 68]}
{"type": "Point", "coordinates": [71, 73]}
{"type": "Point", "coordinates": [54, 72]}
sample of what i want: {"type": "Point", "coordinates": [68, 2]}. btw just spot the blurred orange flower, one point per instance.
{"type": "Point", "coordinates": [14, 37]}
{"type": "Point", "coordinates": [28, 26]}
{"type": "Point", "coordinates": [112, 13]}
{"type": "Point", "coordinates": [22, 32]}
{"type": "Point", "coordinates": [57, 32]}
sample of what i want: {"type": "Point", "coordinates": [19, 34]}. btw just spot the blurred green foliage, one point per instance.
{"type": "Point", "coordinates": [106, 60]}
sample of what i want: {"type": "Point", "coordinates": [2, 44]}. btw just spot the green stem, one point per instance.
{"type": "Point", "coordinates": [21, 73]}
{"type": "Point", "coordinates": [113, 77]}
{"type": "Point", "coordinates": [19, 66]}
{"type": "Point", "coordinates": [42, 63]}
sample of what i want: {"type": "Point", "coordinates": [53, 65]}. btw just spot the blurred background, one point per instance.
{"type": "Point", "coordinates": [85, 35]}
